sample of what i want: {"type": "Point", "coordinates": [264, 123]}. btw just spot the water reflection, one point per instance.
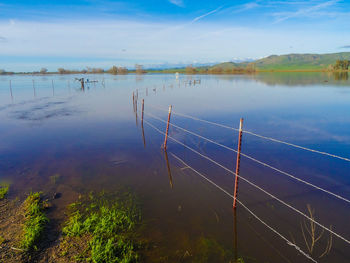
{"type": "Point", "coordinates": [299, 79]}
{"type": "Point", "coordinates": [168, 168]}
{"type": "Point", "coordinates": [235, 240]}
{"type": "Point", "coordinates": [341, 75]}
{"type": "Point", "coordinates": [78, 147]}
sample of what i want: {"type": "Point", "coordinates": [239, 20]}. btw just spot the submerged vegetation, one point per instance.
{"type": "Point", "coordinates": [3, 191]}
{"type": "Point", "coordinates": [35, 221]}
{"type": "Point", "coordinates": [106, 225]}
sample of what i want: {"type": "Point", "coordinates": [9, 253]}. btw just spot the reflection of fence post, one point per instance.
{"type": "Point", "coordinates": [34, 88]}
{"type": "Point", "coordinates": [169, 171]}
{"type": "Point", "coordinates": [238, 163]}
{"type": "Point", "coordinates": [235, 250]}
{"type": "Point", "coordinates": [167, 129]}
{"type": "Point", "coordinates": [53, 88]}
{"type": "Point", "coordinates": [143, 108]}
{"type": "Point", "coordinates": [11, 91]}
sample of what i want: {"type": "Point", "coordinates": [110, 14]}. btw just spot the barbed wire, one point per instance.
{"type": "Point", "coordinates": [255, 160]}
{"type": "Point", "coordinates": [252, 184]}
{"type": "Point", "coordinates": [245, 207]}
{"type": "Point", "coordinates": [257, 135]}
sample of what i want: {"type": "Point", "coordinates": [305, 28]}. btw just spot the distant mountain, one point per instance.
{"type": "Point", "coordinates": [290, 62]}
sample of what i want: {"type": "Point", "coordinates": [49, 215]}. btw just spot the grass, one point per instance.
{"type": "Point", "coordinates": [3, 191]}
{"type": "Point", "coordinates": [35, 221]}
{"type": "Point", "coordinates": [108, 226]}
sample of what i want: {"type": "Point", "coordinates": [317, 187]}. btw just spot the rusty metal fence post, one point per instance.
{"type": "Point", "coordinates": [235, 191]}
{"type": "Point", "coordinates": [167, 129]}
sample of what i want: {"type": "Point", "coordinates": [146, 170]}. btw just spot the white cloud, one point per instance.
{"type": "Point", "coordinates": [179, 3]}
{"type": "Point", "coordinates": [304, 12]}
{"type": "Point", "coordinates": [125, 42]}
{"type": "Point", "coordinates": [206, 14]}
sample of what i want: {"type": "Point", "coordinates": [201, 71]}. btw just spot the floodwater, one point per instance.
{"type": "Point", "coordinates": [55, 137]}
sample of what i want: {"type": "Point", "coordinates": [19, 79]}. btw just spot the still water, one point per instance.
{"type": "Point", "coordinates": [92, 140]}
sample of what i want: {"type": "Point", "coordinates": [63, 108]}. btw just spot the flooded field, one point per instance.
{"type": "Point", "coordinates": [57, 138]}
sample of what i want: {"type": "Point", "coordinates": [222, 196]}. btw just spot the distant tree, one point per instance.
{"type": "Point", "coordinates": [94, 70]}
{"type": "Point", "coordinates": [251, 67]}
{"type": "Point", "coordinates": [139, 69]}
{"type": "Point", "coordinates": [122, 70]}
{"type": "Point", "coordinates": [342, 64]}
{"type": "Point", "coordinates": [190, 69]}
{"type": "Point", "coordinates": [61, 70]}
{"type": "Point", "coordinates": [113, 70]}
{"type": "Point", "coordinates": [43, 71]}
{"type": "Point", "coordinates": [2, 72]}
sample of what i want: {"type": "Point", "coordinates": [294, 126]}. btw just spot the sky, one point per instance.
{"type": "Point", "coordinates": [79, 33]}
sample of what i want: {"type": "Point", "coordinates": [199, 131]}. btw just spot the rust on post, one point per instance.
{"type": "Point", "coordinates": [235, 191]}
{"type": "Point", "coordinates": [167, 129]}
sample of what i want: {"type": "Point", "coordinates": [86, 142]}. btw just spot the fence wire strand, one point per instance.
{"type": "Point", "coordinates": [252, 184]}
{"type": "Point", "coordinates": [246, 208]}
{"type": "Point", "coordinates": [257, 135]}
{"type": "Point", "coordinates": [255, 160]}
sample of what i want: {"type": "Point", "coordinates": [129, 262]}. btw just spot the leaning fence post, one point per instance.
{"type": "Point", "coordinates": [167, 129]}
{"type": "Point", "coordinates": [235, 191]}
{"type": "Point", "coordinates": [133, 100]}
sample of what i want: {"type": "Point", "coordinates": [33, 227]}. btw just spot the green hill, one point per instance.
{"type": "Point", "coordinates": [300, 61]}
{"type": "Point", "coordinates": [289, 62]}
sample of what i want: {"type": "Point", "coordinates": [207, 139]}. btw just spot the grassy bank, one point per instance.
{"type": "Point", "coordinates": [35, 221]}
{"type": "Point", "coordinates": [106, 227]}
{"type": "Point", "coordinates": [3, 191]}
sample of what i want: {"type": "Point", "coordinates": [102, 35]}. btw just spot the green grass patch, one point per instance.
{"type": "Point", "coordinates": [109, 226]}
{"type": "Point", "coordinates": [3, 191]}
{"type": "Point", "coordinates": [35, 221]}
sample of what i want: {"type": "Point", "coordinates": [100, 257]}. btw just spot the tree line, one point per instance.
{"type": "Point", "coordinates": [341, 65]}
{"type": "Point", "coordinates": [88, 70]}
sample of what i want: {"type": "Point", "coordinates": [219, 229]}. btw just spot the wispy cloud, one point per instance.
{"type": "Point", "coordinates": [3, 39]}
{"type": "Point", "coordinates": [246, 7]}
{"type": "Point", "coordinates": [179, 3]}
{"type": "Point", "coordinates": [206, 14]}
{"type": "Point", "coordinates": [345, 47]}
{"type": "Point", "coordinates": [304, 12]}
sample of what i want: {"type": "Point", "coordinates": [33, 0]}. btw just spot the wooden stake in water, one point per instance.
{"type": "Point", "coordinates": [133, 100]}
{"type": "Point", "coordinates": [53, 89]}
{"type": "Point", "coordinates": [167, 129]}
{"type": "Point", "coordinates": [235, 191]}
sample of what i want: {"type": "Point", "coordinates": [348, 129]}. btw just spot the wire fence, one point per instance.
{"type": "Point", "coordinates": [310, 218]}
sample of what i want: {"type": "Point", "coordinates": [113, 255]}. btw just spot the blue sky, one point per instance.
{"type": "Point", "coordinates": [76, 34]}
